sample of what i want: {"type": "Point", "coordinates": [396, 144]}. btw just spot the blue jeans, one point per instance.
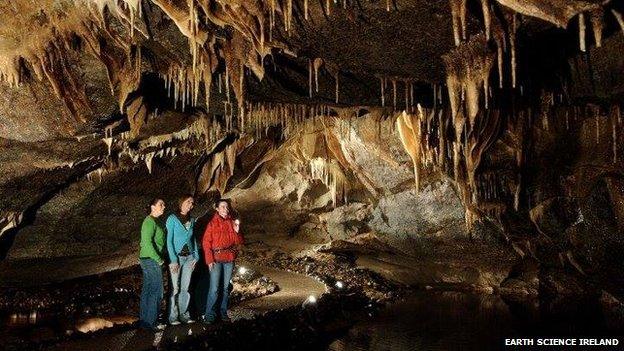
{"type": "Point", "coordinates": [180, 297]}
{"type": "Point", "coordinates": [221, 273]}
{"type": "Point", "coordinates": [151, 293]}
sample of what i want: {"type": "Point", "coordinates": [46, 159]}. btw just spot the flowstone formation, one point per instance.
{"type": "Point", "coordinates": [423, 124]}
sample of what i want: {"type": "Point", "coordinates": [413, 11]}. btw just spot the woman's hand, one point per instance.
{"type": "Point", "coordinates": [210, 265]}
{"type": "Point", "coordinates": [236, 225]}
{"type": "Point", "coordinates": [174, 267]}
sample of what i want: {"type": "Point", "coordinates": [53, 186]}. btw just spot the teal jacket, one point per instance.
{"type": "Point", "coordinates": [177, 236]}
{"type": "Point", "coordinates": [152, 240]}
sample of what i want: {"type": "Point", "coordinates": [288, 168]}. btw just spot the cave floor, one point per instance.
{"type": "Point", "coordinates": [295, 265]}
{"type": "Point", "coordinates": [294, 289]}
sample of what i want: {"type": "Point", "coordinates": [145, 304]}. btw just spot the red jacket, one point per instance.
{"type": "Point", "coordinates": [220, 234]}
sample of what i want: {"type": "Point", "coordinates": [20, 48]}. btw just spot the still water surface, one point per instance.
{"type": "Point", "coordinates": [460, 321]}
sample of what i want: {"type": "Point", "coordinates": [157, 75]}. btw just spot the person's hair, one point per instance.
{"type": "Point", "coordinates": [183, 198]}
{"type": "Point", "coordinates": [227, 202]}
{"type": "Point", "coordinates": [153, 202]}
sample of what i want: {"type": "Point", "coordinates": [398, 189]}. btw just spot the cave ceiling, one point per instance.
{"type": "Point", "coordinates": [93, 55]}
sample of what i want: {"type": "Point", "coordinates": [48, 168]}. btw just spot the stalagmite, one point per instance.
{"type": "Point", "coordinates": [581, 18]}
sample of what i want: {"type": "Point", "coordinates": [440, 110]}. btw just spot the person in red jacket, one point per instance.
{"type": "Point", "coordinates": [221, 242]}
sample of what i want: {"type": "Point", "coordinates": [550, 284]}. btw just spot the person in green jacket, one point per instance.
{"type": "Point", "coordinates": [151, 257]}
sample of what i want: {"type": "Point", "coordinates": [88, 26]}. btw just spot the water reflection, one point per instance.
{"type": "Point", "coordinates": [23, 319]}
{"type": "Point", "coordinates": [459, 321]}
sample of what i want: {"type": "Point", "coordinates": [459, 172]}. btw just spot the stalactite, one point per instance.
{"type": "Point", "coordinates": [411, 96]}
{"type": "Point", "coordinates": [330, 174]}
{"type": "Point", "coordinates": [567, 120]}
{"type": "Point", "coordinates": [441, 140]}
{"type": "Point", "coordinates": [487, 19]}
{"type": "Point", "coordinates": [619, 18]}
{"type": "Point", "coordinates": [382, 82]}
{"type": "Point", "coordinates": [597, 119]}
{"type": "Point", "coordinates": [337, 85]}
{"type": "Point", "coordinates": [597, 25]}
{"type": "Point", "coordinates": [614, 141]}
{"type": "Point", "coordinates": [318, 62]}
{"type": "Point", "coordinates": [227, 84]}
{"type": "Point", "coordinates": [462, 18]}
{"type": "Point", "coordinates": [10, 220]}
{"type": "Point", "coordinates": [305, 9]}
{"type": "Point", "coordinates": [407, 96]}
{"type": "Point", "coordinates": [455, 16]}
{"type": "Point", "coordinates": [288, 15]}
{"type": "Point", "coordinates": [512, 42]}
{"type": "Point", "coordinates": [207, 89]}
{"type": "Point", "coordinates": [148, 161]}
{"type": "Point", "coordinates": [310, 71]}
{"type": "Point", "coordinates": [468, 68]}
{"type": "Point", "coordinates": [410, 133]}
{"type": "Point", "coordinates": [581, 18]}
{"type": "Point", "coordinates": [394, 94]}
{"type": "Point", "coordinates": [499, 52]}
{"type": "Point", "coordinates": [109, 144]}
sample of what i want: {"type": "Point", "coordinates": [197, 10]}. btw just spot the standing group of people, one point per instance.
{"type": "Point", "coordinates": [177, 245]}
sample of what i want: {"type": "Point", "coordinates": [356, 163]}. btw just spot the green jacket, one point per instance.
{"type": "Point", "coordinates": [152, 240]}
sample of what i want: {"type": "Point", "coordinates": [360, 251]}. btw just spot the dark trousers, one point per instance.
{"type": "Point", "coordinates": [151, 293]}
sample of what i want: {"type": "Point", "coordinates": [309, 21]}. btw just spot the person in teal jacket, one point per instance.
{"type": "Point", "coordinates": [183, 255]}
{"type": "Point", "coordinates": [151, 258]}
